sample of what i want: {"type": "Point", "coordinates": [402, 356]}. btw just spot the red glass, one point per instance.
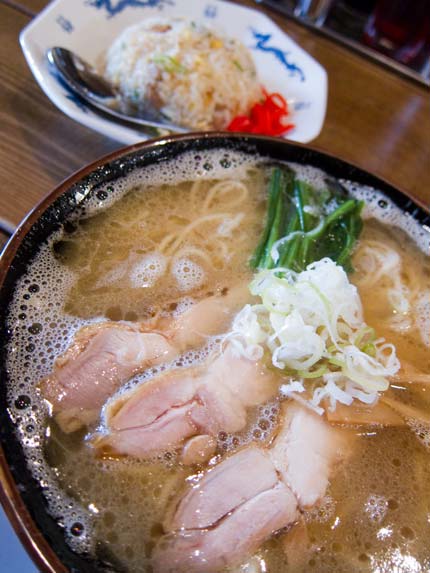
{"type": "Point", "coordinates": [399, 28]}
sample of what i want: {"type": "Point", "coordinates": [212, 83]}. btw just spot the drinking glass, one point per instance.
{"type": "Point", "coordinates": [314, 11]}
{"type": "Point", "coordinates": [399, 28]}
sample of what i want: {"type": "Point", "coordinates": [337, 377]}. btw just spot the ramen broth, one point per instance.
{"type": "Point", "coordinates": [203, 232]}
{"type": "Point", "coordinates": [143, 255]}
{"type": "Point", "coordinates": [414, 273]}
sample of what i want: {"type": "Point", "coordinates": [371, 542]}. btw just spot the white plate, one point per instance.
{"type": "Point", "coordinates": [88, 27]}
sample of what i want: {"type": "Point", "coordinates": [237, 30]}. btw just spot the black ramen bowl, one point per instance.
{"type": "Point", "coordinates": [20, 494]}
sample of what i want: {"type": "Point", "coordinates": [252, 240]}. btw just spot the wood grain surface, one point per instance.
{"type": "Point", "coordinates": [375, 119]}
{"type": "Point", "coordinates": [39, 145]}
{"type": "Point", "coordinates": [29, 7]}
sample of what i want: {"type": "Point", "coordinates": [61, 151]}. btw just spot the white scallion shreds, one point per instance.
{"type": "Point", "coordinates": [311, 324]}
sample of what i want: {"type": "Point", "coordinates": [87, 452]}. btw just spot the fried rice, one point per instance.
{"type": "Point", "coordinates": [197, 77]}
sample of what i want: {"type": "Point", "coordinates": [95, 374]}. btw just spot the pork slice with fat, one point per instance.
{"type": "Point", "coordinates": [232, 385]}
{"type": "Point", "coordinates": [209, 316]}
{"type": "Point", "coordinates": [154, 417]}
{"type": "Point", "coordinates": [102, 357]}
{"type": "Point", "coordinates": [247, 497]}
{"type": "Point", "coordinates": [202, 506]}
{"type": "Point", "coordinates": [304, 452]}
{"type": "Point", "coordinates": [239, 534]}
{"type": "Point", "coordinates": [105, 355]}
{"type": "Point", "coordinates": [175, 405]}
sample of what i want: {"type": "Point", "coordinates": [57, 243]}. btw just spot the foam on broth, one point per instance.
{"type": "Point", "coordinates": [373, 516]}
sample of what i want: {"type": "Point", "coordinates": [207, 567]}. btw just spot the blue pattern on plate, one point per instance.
{"type": "Point", "coordinates": [65, 24]}
{"type": "Point", "coordinates": [77, 101]}
{"type": "Point", "coordinates": [114, 7]}
{"type": "Point", "coordinates": [262, 45]}
{"type": "Point", "coordinates": [300, 105]}
{"type": "Point", "coordinates": [210, 11]}
{"type": "Point", "coordinates": [68, 94]}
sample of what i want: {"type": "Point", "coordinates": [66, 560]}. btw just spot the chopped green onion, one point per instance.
{"type": "Point", "coordinates": [238, 66]}
{"type": "Point", "coordinates": [367, 332]}
{"type": "Point", "coordinates": [336, 362]}
{"type": "Point", "coordinates": [313, 373]}
{"type": "Point", "coordinates": [369, 349]}
{"type": "Point", "coordinates": [169, 63]}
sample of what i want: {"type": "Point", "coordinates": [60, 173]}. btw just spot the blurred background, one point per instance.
{"type": "Point", "coordinates": [394, 32]}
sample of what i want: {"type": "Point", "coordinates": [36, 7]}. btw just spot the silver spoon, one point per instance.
{"type": "Point", "coordinates": [82, 78]}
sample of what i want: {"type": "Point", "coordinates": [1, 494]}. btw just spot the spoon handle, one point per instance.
{"type": "Point", "coordinates": [67, 68]}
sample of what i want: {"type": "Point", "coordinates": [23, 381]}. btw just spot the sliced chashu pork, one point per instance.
{"type": "Point", "coordinates": [250, 495]}
{"type": "Point", "coordinates": [209, 316]}
{"type": "Point", "coordinates": [239, 534]}
{"type": "Point", "coordinates": [197, 401]}
{"type": "Point", "coordinates": [104, 356]}
{"type": "Point", "coordinates": [303, 453]}
{"type": "Point", "coordinates": [190, 513]}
